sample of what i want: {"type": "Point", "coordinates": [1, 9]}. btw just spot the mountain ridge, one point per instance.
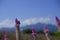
{"type": "Point", "coordinates": [38, 27]}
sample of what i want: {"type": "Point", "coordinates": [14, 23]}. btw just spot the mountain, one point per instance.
{"type": "Point", "coordinates": [38, 27]}
{"type": "Point", "coordinates": [7, 29]}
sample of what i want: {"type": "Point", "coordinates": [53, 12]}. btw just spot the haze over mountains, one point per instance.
{"type": "Point", "coordinates": [38, 27]}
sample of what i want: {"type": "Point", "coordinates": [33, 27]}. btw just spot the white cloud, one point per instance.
{"type": "Point", "coordinates": [35, 20]}
{"type": "Point", "coordinates": [6, 23]}
{"type": "Point", "coordinates": [29, 21]}
{"type": "Point", "coordinates": [9, 23]}
{"type": "Point", "coordinates": [44, 20]}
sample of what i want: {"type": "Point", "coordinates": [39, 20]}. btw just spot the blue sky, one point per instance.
{"type": "Point", "coordinates": [26, 9]}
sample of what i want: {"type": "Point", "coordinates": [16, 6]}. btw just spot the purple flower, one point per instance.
{"type": "Point", "coordinates": [5, 37]}
{"type": "Point", "coordinates": [57, 20]}
{"type": "Point", "coordinates": [16, 21]}
{"type": "Point", "coordinates": [45, 29]}
{"type": "Point", "coordinates": [33, 32]}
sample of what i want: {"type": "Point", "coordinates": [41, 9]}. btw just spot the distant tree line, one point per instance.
{"type": "Point", "coordinates": [29, 31]}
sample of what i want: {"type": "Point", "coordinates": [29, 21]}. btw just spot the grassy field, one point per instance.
{"type": "Point", "coordinates": [25, 36]}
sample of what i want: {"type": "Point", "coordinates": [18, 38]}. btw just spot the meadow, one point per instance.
{"type": "Point", "coordinates": [25, 36]}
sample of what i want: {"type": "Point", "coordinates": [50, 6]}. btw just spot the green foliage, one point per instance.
{"type": "Point", "coordinates": [58, 34]}
{"type": "Point", "coordinates": [52, 33]}
{"type": "Point", "coordinates": [40, 32]}
{"type": "Point", "coordinates": [27, 31]}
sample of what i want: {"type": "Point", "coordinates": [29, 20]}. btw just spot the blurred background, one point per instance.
{"type": "Point", "coordinates": [31, 13]}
